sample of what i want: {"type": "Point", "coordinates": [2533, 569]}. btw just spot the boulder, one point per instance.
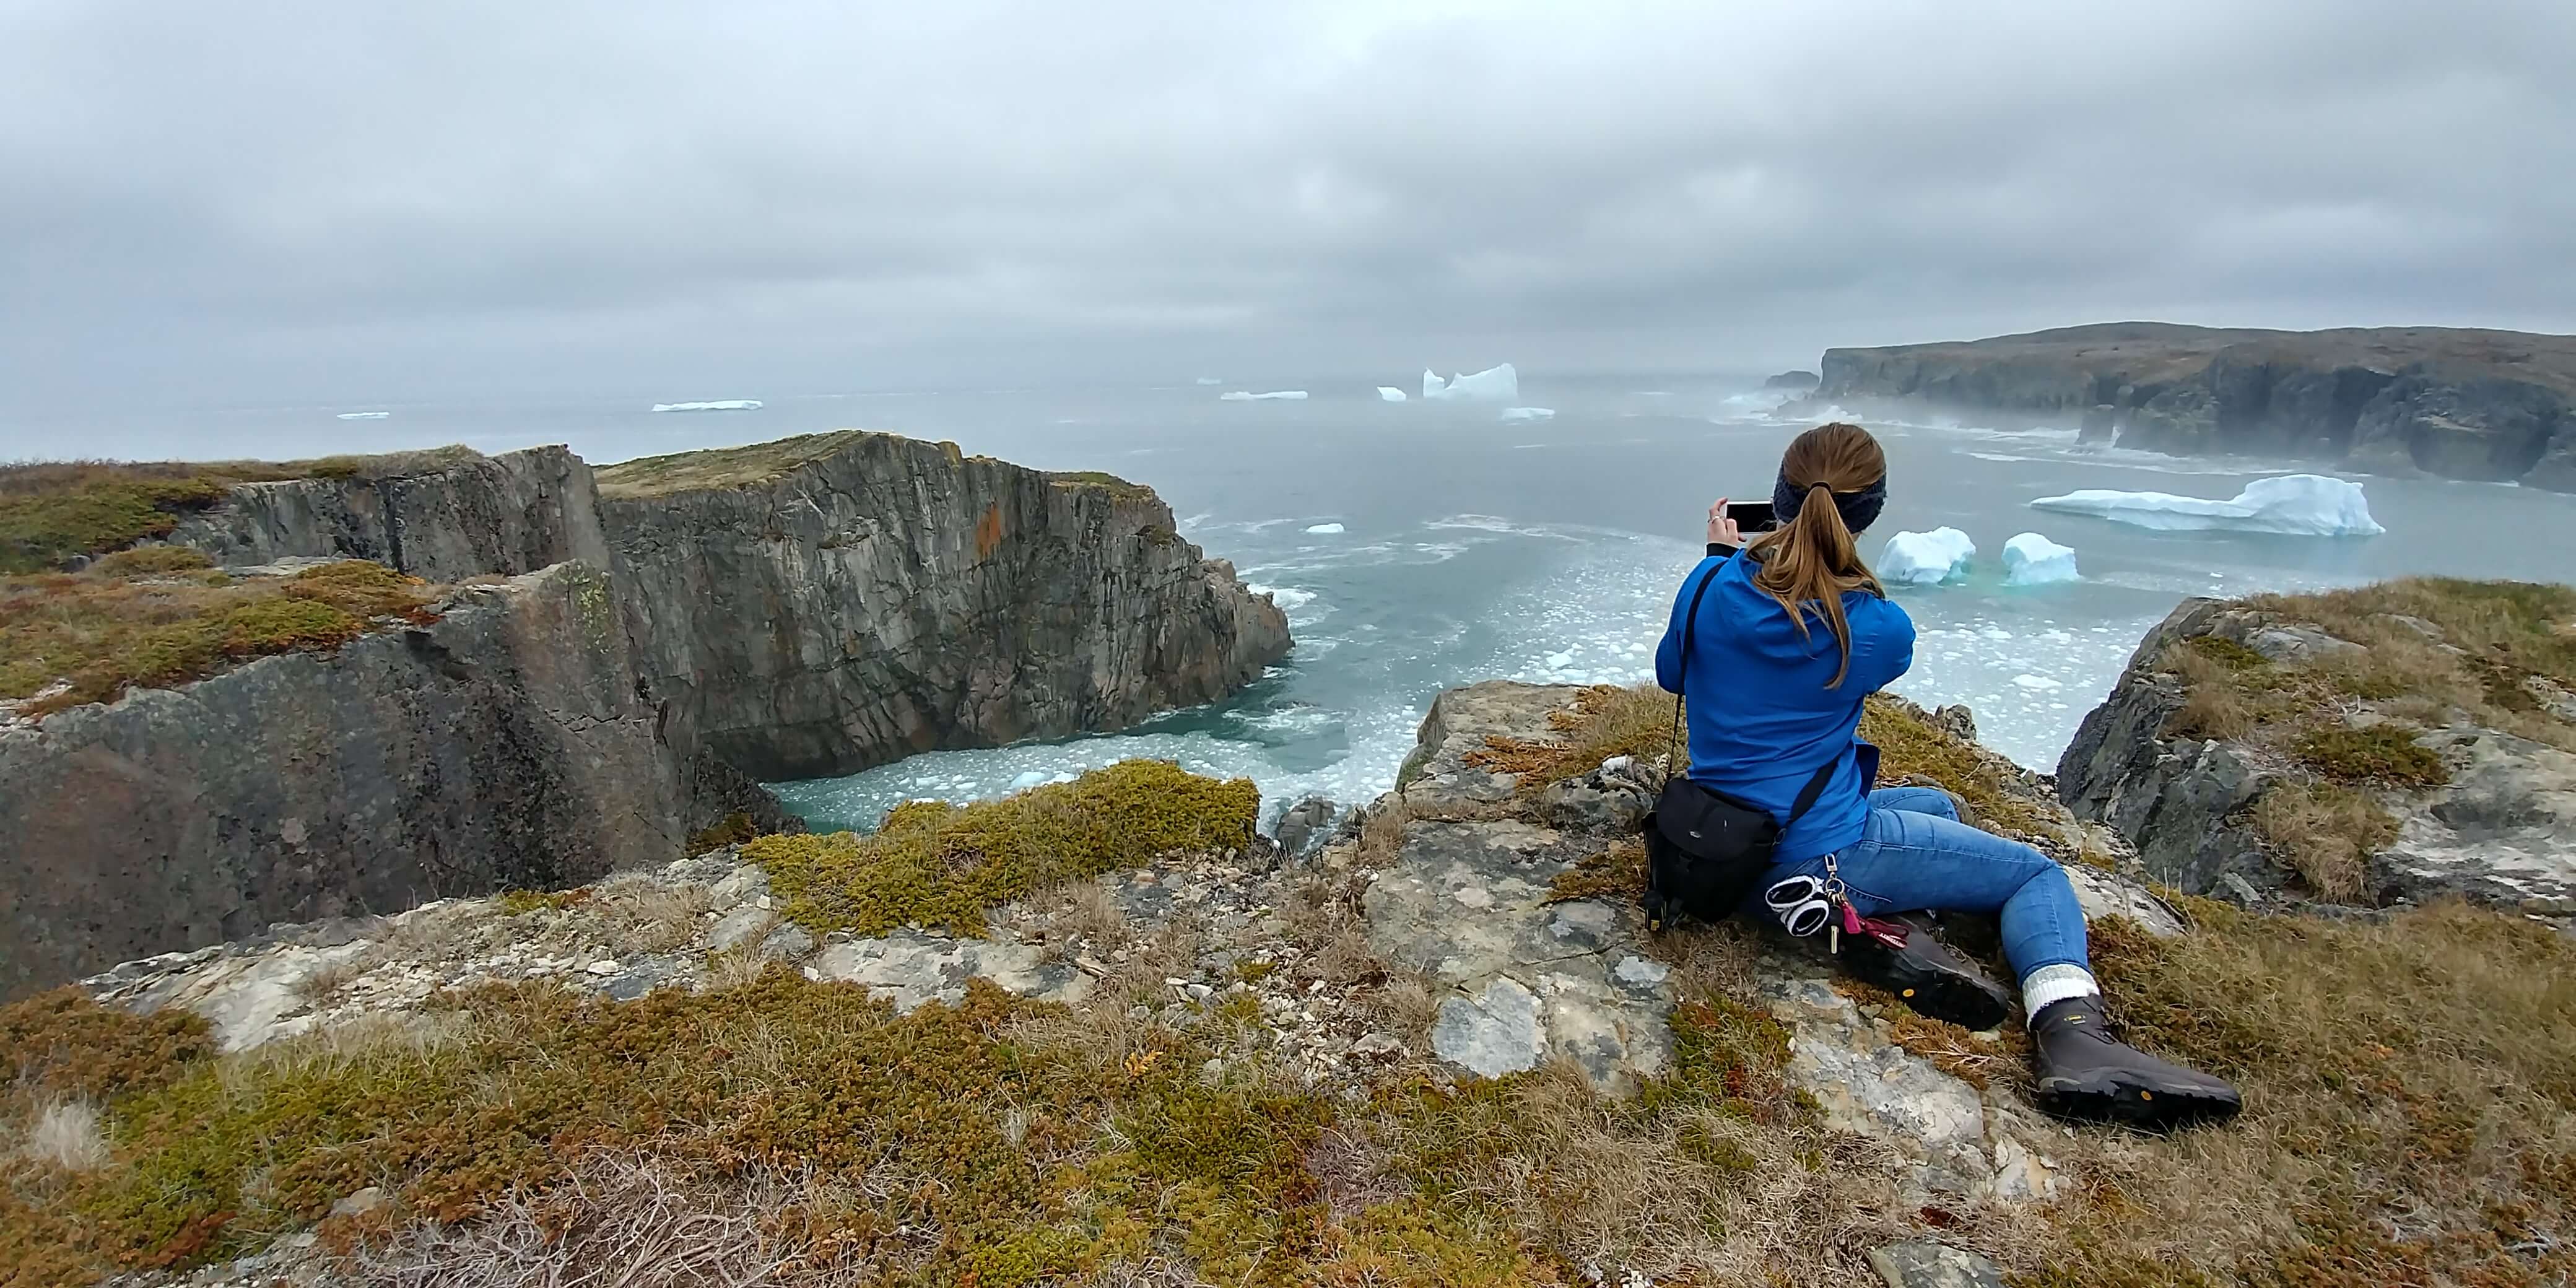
{"type": "Point", "coordinates": [1923, 1264]}
{"type": "Point", "coordinates": [1305, 826]}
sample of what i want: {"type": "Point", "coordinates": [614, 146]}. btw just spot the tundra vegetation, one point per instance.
{"type": "Point", "coordinates": [2409, 1076]}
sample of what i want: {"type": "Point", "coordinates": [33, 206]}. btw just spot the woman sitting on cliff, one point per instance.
{"type": "Point", "coordinates": [1786, 641]}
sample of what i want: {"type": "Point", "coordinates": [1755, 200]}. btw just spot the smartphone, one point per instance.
{"type": "Point", "coordinates": [1752, 516]}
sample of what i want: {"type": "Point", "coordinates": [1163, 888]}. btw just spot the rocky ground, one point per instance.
{"type": "Point", "coordinates": [1427, 939]}
{"type": "Point", "coordinates": [2341, 750]}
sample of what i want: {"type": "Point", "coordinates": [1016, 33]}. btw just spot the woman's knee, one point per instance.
{"type": "Point", "coordinates": [1916, 800]}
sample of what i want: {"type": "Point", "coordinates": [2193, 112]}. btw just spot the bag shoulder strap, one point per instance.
{"type": "Point", "coordinates": [1807, 795]}
{"type": "Point", "coordinates": [1675, 747]}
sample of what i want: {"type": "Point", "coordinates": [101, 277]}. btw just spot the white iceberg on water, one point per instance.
{"type": "Point", "coordinates": [1239, 395]}
{"type": "Point", "coordinates": [364, 415]}
{"type": "Point", "coordinates": [2033, 560]}
{"type": "Point", "coordinates": [1326, 529]}
{"type": "Point", "coordinates": [1493, 384]}
{"type": "Point", "coordinates": [1925, 558]}
{"type": "Point", "coordinates": [1390, 393]}
{"type": "Point", "coordinates": [1210, 380]}
{"type": "Point", "coordinates": [726, 404]}
{"type": "Point", "coordinates": [1528, 413]}
{"type": "Point", "coordinates": [2299, 505]}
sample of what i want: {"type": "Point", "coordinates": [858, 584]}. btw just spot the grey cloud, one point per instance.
{"type": "Point", "coordinates": [312, 200]}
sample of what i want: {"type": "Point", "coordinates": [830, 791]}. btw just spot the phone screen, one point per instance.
{"type": "Point", "coordinates": [1752, 516]}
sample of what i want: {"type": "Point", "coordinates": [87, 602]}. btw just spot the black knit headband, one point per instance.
{"type": "Point", "coordinates": [1859, 509]}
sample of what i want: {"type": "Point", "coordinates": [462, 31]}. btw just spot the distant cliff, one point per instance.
{"type": "Point", "coordinates": [447, 516]}
{"type": "Point", "coordinates": [2492, 405]}
{"type": "Point", "coordinates": [806, 607]}
{"type": "Point", "coordinates": [822, 604]}
{"type": "Point", "coordinates": [500, 746]}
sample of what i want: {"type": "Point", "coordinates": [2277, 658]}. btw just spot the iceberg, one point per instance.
{"type": "Point", "coordinates": [2033, 560]}
{"type": "Point", "coordinates": [1029, 779]}
{"type": "Point", "coordinates": [1390, 393]}
{"type": "Point", "coordinates": [2299, 505]}
{"type": "Point", "coordinates": [727, 404]}
{"type": "Point", "coordinates": [1326, 529]}
{"type": "Point", "coordinates": [1238, 395]}
{"type": "Point", "coordinates": [1528, 413]}
{"type": "Point", "coordinates": [1925, 558]}
{"type": "Point", "coordinates": [364, 415]}
{"type": "Point", "coordinates": [1210, 380]}
{"type": "Point", "coordinates": [1493, 384]}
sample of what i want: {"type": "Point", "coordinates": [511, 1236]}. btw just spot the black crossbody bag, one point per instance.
{"type": "Point", "coordinates": [1706, 850]}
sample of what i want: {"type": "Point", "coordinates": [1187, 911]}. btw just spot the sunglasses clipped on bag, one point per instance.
{"type": "Point", "coordinates": [1800, 904]}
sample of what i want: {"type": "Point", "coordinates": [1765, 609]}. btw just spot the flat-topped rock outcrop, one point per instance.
{"type": "Point", "coordinates": [2464, 404]}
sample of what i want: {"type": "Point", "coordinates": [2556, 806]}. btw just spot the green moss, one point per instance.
{"type": "Point", "coordinates": [944, 866]}
{"type": "Point", "coordinates": [734, 829]}
{"type": "Point", "coordinates": [144, 561]}
{"type": "Point", "coordinates": [1114, 485]}
{"type": "Point", "coordinates": [2380, 753]}
{"type": "Point", "coordinates": [2226, 652]}
{"type": "Point", "coordinates": [116, 627]}
{"type": "Point", "coordinates": [65, 1042]}
{"type": "Point", "coordinates": [52, 512]}
{"type": "Point", "coordinates": [725, 467]}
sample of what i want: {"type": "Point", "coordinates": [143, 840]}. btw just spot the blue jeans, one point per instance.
{"type": "Point", "coordinates": [1914, 853]}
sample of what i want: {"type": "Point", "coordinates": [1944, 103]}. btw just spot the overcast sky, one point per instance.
{"type": "Point", "coordinates": [248, 201]}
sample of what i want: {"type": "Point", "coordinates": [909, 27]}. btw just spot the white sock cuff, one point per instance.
{"type": "Point", "coordinates": [2055, 983]}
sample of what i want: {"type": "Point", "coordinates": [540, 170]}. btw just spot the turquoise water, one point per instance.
{"type": "Point", "coordinates": [1473, 548]}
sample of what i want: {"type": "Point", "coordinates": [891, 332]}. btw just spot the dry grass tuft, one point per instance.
{"type": "Point", "coordinates": [1605, 720]}
{"type": "Point", "coordinates": [644, 913]}
{"type": "Point", "coordinates": [2410, 1090]}
{"type": "Point", "coordinates": [63, 1133]}
{"type": "Point", "coordinates": [1615, 873]}
{"type": "Point", "coordinates": [2327, 832]}
{"type": "Point", "coordinates": [653, 1226]}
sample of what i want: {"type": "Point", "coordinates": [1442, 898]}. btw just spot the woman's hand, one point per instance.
{"type": "Point", "coordinates": [1721, 529]}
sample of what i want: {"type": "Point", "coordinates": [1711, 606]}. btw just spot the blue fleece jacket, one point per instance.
{"type": "Point", "coordinates": [1761, 718]}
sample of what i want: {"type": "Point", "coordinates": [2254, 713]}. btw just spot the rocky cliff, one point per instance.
{"type": "Point", "coordinates": [2389, 745]}
{"type": "Point", "coordinates": [799, 608]}
{"type": "Point", "coordinates": [2466, 404]}
{"type": "Point", "coordinates": [441, 516]}
{"type": "Point", "coordinates": [823, 604]}
{"type": "Point", "coordinates": [501, 746]}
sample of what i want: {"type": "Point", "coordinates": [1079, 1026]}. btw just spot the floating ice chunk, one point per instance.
{"type": "Point", "coordinates": [1210, 380]}
{"type": "Point", "coordinates": [1389, 393]}
{"type": "Point", "coordinates": [2039, 683]}
{"type": "Point", "coordinates": [1033, 778]}
{"type": "Point", "coordinates": [1925, 558]}
{"type": "Point", "coordinates": [1559, 661]}
{"type": "Point", "coordinates": [724, 404]}
{"type": "Point", "coordinates": [2033, 560]}
{"type": "Point", "coordinates": [1326, 530]}
{"type": "Point", "coordinates": [1528, 413]}
{"type": "Point", "coordinates": [1493, 384]}
{"type": "Point", "coordinates": [1238, 395]}
{"type": "Point", "coordinates": [364, 415]}
{"type": "Point", "coordinates": [2302, 505]}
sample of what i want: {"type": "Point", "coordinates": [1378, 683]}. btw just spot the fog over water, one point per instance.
{"type": "Point", "coordinates": [295, 228]}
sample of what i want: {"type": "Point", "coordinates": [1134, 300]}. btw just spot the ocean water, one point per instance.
{"type": "Point", "coordinates": [1420, 545]}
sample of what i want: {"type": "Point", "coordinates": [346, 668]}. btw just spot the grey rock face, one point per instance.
{"type": "Point", "coordinates": [1459, 722]}
{"type": "Point", "coordinates": [887, 596]}
{"type": "Point", "coordinates": [2399, 400]}
{"type": "Point", "coordinates": [2502, 831]}
{"type": "Point", "coordinates": [1306, 825]}
{"type": "Point", "coordinates": [502, 746]}
{"type": "Point", "coordinates": [910, 969]}
{"type": "Point", "coordinates": [1467, 903]}
{"type": "Point", "coordinates": [2101, 424]}
{"type": "Point", "coordinates": [1617, 796]}
{"type": "Point", "coordinates": [1923, 1264]}
{"type": "Point", "coordinates": [440, 519]}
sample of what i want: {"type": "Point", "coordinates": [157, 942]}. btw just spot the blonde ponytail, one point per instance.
{"type": "Point", "coordinates": [1810, 562]}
